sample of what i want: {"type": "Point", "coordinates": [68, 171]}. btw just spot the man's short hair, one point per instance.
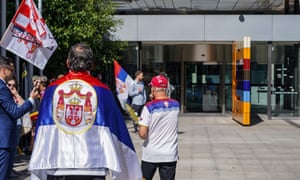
{"type": "Point", "coordinates": [138, 73]}
{"type": "Point", "coordinates": [6, 62]}
{"type": "Point", "coordinates": [80, 57]}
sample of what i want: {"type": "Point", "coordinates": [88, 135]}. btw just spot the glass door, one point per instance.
{"type": "Point", "coordinates": [285, 78]}
{"type": "Point", "coordinates": [202, 87]}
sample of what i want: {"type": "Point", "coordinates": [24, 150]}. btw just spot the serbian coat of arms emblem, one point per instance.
{"type": "Point", "coordinates": [74, 106]}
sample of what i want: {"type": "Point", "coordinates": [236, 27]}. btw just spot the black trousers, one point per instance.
{"type": "Point", "coordinates": [167, 170]}
{"type": "Point", "coordinates": [137, 108]}
{"type": "Point", "coordinates": [50, 177]}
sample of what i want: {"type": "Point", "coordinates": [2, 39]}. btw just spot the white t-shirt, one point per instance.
{"type": "Point", "coordinates": [161, 118]}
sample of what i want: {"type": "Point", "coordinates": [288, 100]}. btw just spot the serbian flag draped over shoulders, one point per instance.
{"type": "Point", "coordinates": [123, 82]}
{"type": "Point", "coordinates": [81, 127]}
{"type": "Point", "coordinates": [28, 36]}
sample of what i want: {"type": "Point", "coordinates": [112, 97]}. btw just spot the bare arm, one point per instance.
{"type": "Point", "coordinates": [143, 131]}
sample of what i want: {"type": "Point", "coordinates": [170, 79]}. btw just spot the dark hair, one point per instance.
{"type": "Point", "coordinates": [80, 57]}
{"type": "Point", "coordinates": [6, 61]}
{"type": "Point", "coordinates": [13, 78]}
{"type": "Point", "coordinates": [163, 74]}
{"type": "Point", "coordinates": [138, 73]}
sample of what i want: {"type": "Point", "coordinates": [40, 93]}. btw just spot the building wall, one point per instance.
{"type": "Point", "coordinates": [208, 27]}
{"type": "Point", "coordinates": [187, 46]}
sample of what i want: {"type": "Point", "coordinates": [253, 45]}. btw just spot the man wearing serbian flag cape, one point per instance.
{"type": "Point", "coordinates": [80, 131]}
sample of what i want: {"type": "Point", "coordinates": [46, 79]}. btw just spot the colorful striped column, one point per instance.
{"type": "Point", "coordinates": [241, 86]}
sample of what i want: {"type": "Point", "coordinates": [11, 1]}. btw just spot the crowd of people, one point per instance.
{"type": "Point", "coordinates": [76, 130]}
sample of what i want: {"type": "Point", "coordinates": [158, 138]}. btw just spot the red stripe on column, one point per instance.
{"type": "Point", "coordinates": [246, 65]}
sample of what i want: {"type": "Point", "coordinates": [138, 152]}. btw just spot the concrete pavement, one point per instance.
{"type": "Point", "coordinates": [214, 147]}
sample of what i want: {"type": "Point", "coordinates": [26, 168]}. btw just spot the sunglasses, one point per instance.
{"type": "Point", "coordinates": [11, 85]}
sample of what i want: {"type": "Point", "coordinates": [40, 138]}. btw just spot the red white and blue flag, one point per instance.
{"type": "Point", "coordinates": [28, 36]}
{"type": "Point", "coordinates": [123, 82]}
{"type": "Point", "coordinates": [80, 127]}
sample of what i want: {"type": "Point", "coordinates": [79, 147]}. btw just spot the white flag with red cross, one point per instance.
{"type": "Point", "coordinates": [28, 36]}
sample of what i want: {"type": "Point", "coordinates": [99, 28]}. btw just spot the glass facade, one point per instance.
{"type": "Point", "coordinates": [201, 74]}
{"type": "Point", "coordinates": [259, 85]}
{"type": "Point", "coordinates": [202, 87]}
{"type": "Point", "coordinates": [285, 80]}
{"type": "Point", "coordinates": [202, 71]}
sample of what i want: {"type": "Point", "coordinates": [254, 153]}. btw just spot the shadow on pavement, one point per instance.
{"type": "Point", "coordinates": [20, 170]}
{"type": "Point", "coordinates": [255, 119]}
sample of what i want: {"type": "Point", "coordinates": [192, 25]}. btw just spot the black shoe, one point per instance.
{"type": "Point", "coordinates": [135, 128]}
{"type": "Point", "coordinates": [28, 152]}
{"type": "Point", "coordinates": [15, 173]}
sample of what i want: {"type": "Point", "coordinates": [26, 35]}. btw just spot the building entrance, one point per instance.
{"type": "Point", "coordinates": [202, 87]}
{"type": "Point", "coordinates": [201, 75]}
{"type": "Point", "coordinates": [285, 77]}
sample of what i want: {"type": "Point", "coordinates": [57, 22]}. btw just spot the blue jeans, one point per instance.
{"type": "Point", "coordinates": [167, 170]}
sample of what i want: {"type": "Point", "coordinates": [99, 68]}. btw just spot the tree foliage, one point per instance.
{"type": "Point", "coordinates": [90, 21]}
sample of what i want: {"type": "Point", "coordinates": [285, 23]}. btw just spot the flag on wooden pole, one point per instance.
{"type": "Point", "coordinates": [123, 82]}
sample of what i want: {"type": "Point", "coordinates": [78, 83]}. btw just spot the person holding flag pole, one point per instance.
{"type": "Point", "coordinates": [158, 126]}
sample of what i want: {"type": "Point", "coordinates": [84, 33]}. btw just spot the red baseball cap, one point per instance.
{"type": "Point", "coordinates": [159, 81]}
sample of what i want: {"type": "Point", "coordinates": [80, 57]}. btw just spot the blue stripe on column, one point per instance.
{"type": "Point", "coordinates": [244, 85]}
{"type": "Point", "coordinates": [244, 95]}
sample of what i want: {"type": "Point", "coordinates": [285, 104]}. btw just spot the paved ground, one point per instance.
{"type": "Point", "coordinates": [214, 147]}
